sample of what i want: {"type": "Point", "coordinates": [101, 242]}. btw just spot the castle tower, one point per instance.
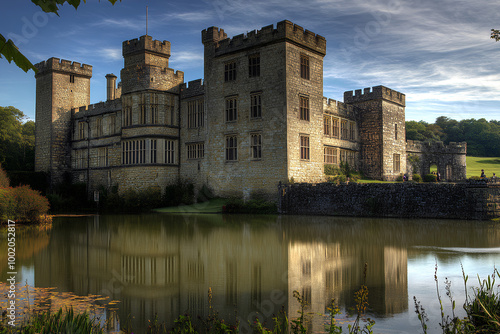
{"type": "Point", "coordinates": [264, 94]}
{"type": "Point", "coordinates": [382, 131]}
{"type": "Point", "coordinates": [60, 86]}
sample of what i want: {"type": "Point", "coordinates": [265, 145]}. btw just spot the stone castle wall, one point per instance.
{"type": "Point", "coordinates": [408, 200]}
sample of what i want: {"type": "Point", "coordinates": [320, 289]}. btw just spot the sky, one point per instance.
{"type": "Point", "coordinates": [438, 53]}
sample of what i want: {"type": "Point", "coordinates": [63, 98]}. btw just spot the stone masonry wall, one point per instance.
{"type": "Point", "coordinates": [409, 200]}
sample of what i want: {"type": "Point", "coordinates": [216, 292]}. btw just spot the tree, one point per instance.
{"type": "Point", "coordinates": [17, 140]}
{"type": "Point", "coordinates": [10, 51]}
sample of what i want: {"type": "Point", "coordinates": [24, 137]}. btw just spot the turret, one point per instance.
{"type": "Point", "coordinates": [60, 86]}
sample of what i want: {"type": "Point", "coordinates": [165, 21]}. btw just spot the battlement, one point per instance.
{"type": "Point", "coordinates": [57, 65]}
{"type": "Point", "coordinates": [212, 34]}
{"type": "Point", "coordinates": [375, 93]}
{"type": "Point", "coordinates": [97, 108]}
{"type": "Point", "coordinates": [285, 31]}
{"type": "Point", "coordinates": [337, 108]}
{"type": "Point", "coordinates": [415, 146]}
{"type": "Point", "coordinates": [192, 88]}
{"type": "Point", "coordinates": [146, 43]}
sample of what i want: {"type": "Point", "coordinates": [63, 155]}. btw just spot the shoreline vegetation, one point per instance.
{"type": "Point", "coordinates": [73, 314]}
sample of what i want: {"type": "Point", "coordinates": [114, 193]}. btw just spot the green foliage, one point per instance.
{"type": "Point", "coordinates": [10, 51]}
{"type": "Point", "coordinates": [7, 204]}
{"type": "Point", "coordinates": [130, 200]}
{"type": "Point", "coordinates": [332, 170]}
{"type": "Point", "coordinates": [483, 309]}
{"type": "Point", "coordinates": [22, 204]}
{"type": "Point", "coordinates": [17, 140]}
{"type": "Point", "coordinates": [417, 178]}
{"type": "Point", "coordinates": [69, 196]}
{"type": "Point", "coordinates": [4, 179]}
{"type": "Point", "coordinates": [30, 205]}
{"type": "Point", "coordinates": [204, 195]}
{"type": "Point", "coordinates": [179, 193]}
{"type": "Point", "coordinates": [341, 174]}
{"type": "Point", "coordinates": [430, 178]}
{"type": "Point", "coordinates": [59, 322]}
{"type": "Point", "coordinates": [482, 136]}
{"type": "Point", "coordinates": [400, 178]}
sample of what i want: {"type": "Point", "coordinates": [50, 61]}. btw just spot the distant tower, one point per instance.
{"type": "Point", "coordinates": [382, 131]}
{"type": "Point", "coordinates": [60, 86]}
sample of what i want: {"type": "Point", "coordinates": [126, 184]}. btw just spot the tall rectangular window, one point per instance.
{"type": "Point", "coordinates": [231, 109]}
{"type": "Point", "coordinates": [142, 109]}
{"type": "Point", "coordinates": [72, 78]}
{"type": "Point", "coordinates": [395, 132]}
{"type": "Point", "coordinates": [230, 71]}
{"type": "Point", "coordinates": [343, 129]}
{"type": "Point", "coordinates": [343, 156]}
{"type": "Point", "coordinates": [304, 147]}
{"type": "Point", "coordinates": [351, 155]}
{"type": "Point", "coordinates": [335, 127]}
{"type": "Point", "coordinates": [154, 108]}
{"type": "Point", "coordinates": [98, 127]}
{"type": "Point", "coordinates": [254, 65]}
{"type": "Point", "coordinates": [396, 159]}
{"type": "Point", "coordinates": [196, 114]}
{"type": "Point", "coordinates": [256, 105]}
{"type": "Point", "coordinates": [231, 148]}
{"type": "Point", "coordinates": [352, 131]}
{"type": "Point", "coordinates": [81, 129]}
{"type": "Point", "coordinates": [304, 67]}
{"type": "Point", "coordinates": [170, 151]}
{"type": "Point", "coordinates": [327, 125]}
{"type": "Point", "coordinates": [330, 155]}
{"type": "Point", "coordinates": [112, 124]}
{"type": "Point", "coordinates": [127, 110]}
{"type": "Point", "coordinates": [256, 145]}
{"type": "Point", "coordinates": [304, 108]}
{"type": "Point", "coordinates": [102, 157]}
{"type": "Point", "coordinates": [152, 151]}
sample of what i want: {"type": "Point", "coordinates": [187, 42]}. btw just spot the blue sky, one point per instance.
{"type": "Point", "coordinates": [438, 53]}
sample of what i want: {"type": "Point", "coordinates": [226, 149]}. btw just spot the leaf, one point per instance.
{"type": "Point", "coordinates": [10, 51]}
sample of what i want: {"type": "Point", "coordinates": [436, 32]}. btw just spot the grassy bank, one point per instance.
{"type": "Point", "coordinates": [490, 166]}
{"type": "Point", "coordinates": [211, 206]}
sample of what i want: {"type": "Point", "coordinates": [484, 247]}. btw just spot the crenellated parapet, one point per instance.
{"type": "Point", "coordinates": [97, 109]}
{"type": "Point", "coordinates": [192, 88]}
{"type": "Point", "coordinates": [63, 66]}
{"type": "Point", "coordinates": [375, 93]}
{"type": "Point", "coordinates": [415, 146]}
{"type": "Point", "coordinates": [147, 43]}
{"type": "Point", "coordinates": [285, 31]}
{"type": "Point", "coordinates": [337, 108]}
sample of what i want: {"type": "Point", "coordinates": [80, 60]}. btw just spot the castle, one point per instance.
{"type": "Point", "coordinates": [259, 118]}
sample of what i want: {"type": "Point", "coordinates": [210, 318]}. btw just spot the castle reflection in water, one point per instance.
{"type": "Point", "coordinates": [165, 264]}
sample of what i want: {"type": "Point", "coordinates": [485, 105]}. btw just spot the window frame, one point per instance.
{"type": "Point", "coordinates": [304, 108]}
{"type": "Point", "coordinates": [230, 71]}
{"type": "Point", "coordinates": [231, 109]}
{"type": "Point", "coordinates": [305, 149]}
{"type": "Point", "coordinates": [231, 148]}
{"type": "Point", "coordinates": [256, 146]}
{"type": "Point", "coordinates": [305, 67]}
{"type": "Point", "coordinates": [254, 65]}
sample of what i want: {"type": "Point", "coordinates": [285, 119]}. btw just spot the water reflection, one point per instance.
{"type": "Point", "coordinates": [165, 264]}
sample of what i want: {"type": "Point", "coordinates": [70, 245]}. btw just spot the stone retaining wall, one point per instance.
{"type": "Point", "coordinates": [409, 200]}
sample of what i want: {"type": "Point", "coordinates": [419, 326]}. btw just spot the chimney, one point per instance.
{"type": "Point", "coordinates": [111, 84]}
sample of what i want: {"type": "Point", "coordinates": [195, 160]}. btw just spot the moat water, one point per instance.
{"type": "Point", "coordinates": [165, 264]}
